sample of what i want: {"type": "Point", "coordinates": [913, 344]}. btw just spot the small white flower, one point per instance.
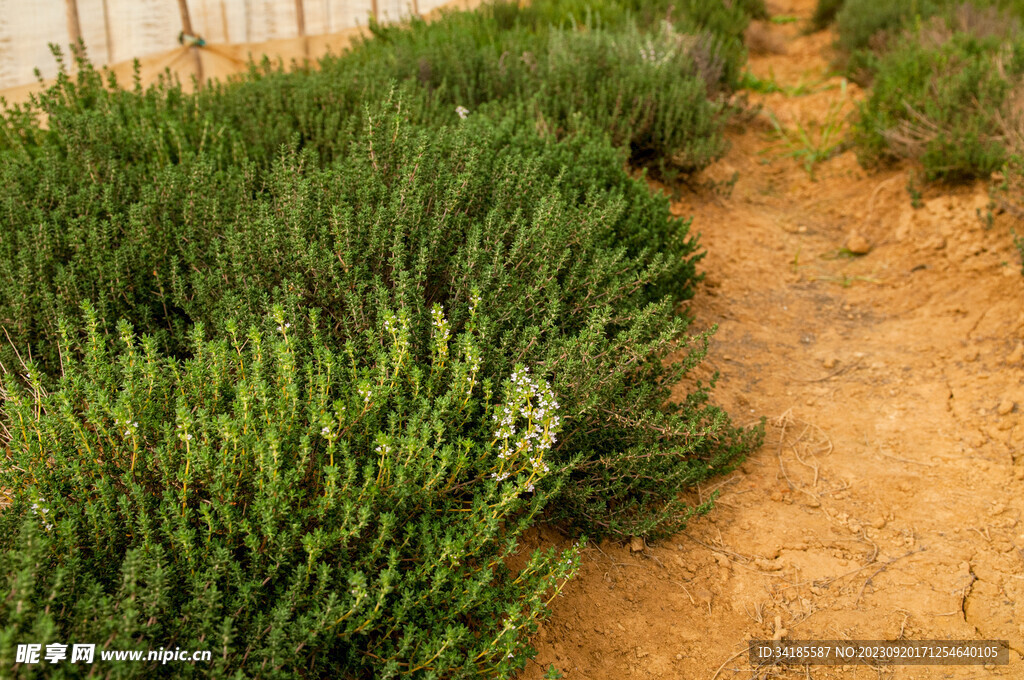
{"type": "Point", "coordinates": [325, 431]}
{"type": "Point", "coordinates": [462, 111]}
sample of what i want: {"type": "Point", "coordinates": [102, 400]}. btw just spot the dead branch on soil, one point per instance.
{"type": "Point", "coordinates": [783, 422]}
{"type": "Point", "coordinates": [742, 651]}
{"type": "Point", "coordinates": [885, 565]}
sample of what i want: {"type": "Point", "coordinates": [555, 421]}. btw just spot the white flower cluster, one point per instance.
{"type": "Point", "coordinates": [365, 392]}
{"type": "Point", "coordinates": [651, 56]}
{"type": "Point", "coordinates": [462, 111]}
{"type": "Point", "coordinates": [533, 401]}
{"type": "Point", "coordinates": [442, 333]}
{"type": "Point", "coordinates": [669, 41]}
{"type": "Point", "coordinates": [540, 434]}
{"type": "Point", "coordinates": [398, 328]}
{"type": "Point", "coordinates": [42, 512]}
{"type": "Point", "coordinates": [184, 436]}
{"type": "Point", "coordinates": [282, 327]}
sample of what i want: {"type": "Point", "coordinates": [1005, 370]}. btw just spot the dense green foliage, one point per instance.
{"type": "Point", "coordinates": [298, 425]}
{"type": "Point", "coordinates": [869, 25]}
{"type": "Point", "coordinates": [866, 24]}
{"type": "Point", "coordinates": [942, 76]}
{"type": "Point", "coordinates": [649, 90]}
{"type": "Point", "coordinates": [297, 510]}
{"type": "Point", "coordinates": [947, 81]}
{"type": "Point", "coordinates": [942, 104]}
{"type": "Point", "coordinates": [825, 13]}
{"type": "Point", "coordinates": [868, 29]}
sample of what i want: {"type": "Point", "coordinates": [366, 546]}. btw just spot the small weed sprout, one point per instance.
{"type": "Point", "coordinates": [816, 142]}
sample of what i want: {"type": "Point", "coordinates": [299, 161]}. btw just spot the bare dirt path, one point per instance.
{"type": "Point", "coordinates": [887, 500]}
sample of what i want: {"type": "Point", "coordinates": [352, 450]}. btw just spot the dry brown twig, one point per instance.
{"type": "Point", "coordinates": [885, 565]}
{"type": "Point", "coordinates": [742, 651]}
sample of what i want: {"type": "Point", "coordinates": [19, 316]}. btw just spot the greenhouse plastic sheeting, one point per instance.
{"type": "Point", "coordinates": [120, 30]}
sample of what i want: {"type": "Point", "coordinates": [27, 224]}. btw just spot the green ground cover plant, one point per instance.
{"type": "Point", "coordinates": [941, 103]}
{"type": "Point", "coordinates": [868, 25]}
{"type": "Point", "coordinates": [943, 75]}
{"type": "Point", "coordinates": [347, 332]}
{"type": "Point", "coordinates": [815, 143]}
{"type": "Point", "coordinates": [947, 82]}
{"type": "Point", "coordinates": [825, 13]}
{"type": "Point", "coordinates": [296, 509]}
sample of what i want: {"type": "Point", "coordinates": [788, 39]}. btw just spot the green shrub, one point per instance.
{"type": "Point", "coordinates": [103, 183]}
{"type": "Point", "coordinates": [660, 90]}
{"type": "Point", "coordinates": [858, 22]}
{"type": "Point", "coordinates": [941, 102]}
{"type": "Point", "coordinates": [869, 28]}
{"type": "Point", "coordinates": [649, 92]}
{"type": "Point", "coordinates": [296, 510]}
{"type": "Point", "coordinates": [521, 249]}
{"type": "Point", "coordinates": [825, 13]}
{"type": "Point", "coordinates": [466, 60]}
{"type": "Point", "coordinates": [578, 264]}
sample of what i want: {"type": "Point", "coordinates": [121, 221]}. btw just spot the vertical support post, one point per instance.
{"type": "Point", "coordinates": [106, 33]}
{"type": "Point", "coordinates": [224, 22]}
{"type": "Point", "coordinates": [300, 18]}
{"type": "Point", "coordinates": [376, 10]}
{"type": "Point", "coordinates": [300, 24]}
{"type": "Point", "coordinates": [74, 27]}
{"type": "Point", "coordinates": [186, 26]}
{"type": "Point", "coordinates": [186, 19]}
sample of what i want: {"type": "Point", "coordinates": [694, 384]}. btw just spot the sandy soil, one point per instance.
{"type": "Point", "coordinates": [887, 500]}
